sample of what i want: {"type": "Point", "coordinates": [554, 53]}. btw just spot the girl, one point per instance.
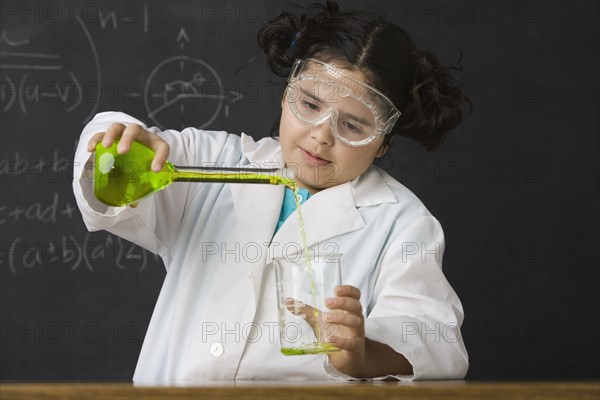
{"type": "Point", "coordinates": [355, 82]}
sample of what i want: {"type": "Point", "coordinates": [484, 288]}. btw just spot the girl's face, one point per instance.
{"type": "Point", "coordinates": [317, 158]}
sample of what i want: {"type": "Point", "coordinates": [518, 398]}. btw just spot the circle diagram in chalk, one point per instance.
{"type": "Point", "coordinates": [185, 91]}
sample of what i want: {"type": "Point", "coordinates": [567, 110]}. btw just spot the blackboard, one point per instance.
{"type": "Point", "coordinates": [515, 187]}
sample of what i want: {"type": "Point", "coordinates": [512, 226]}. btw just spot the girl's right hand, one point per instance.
{"type": "Point", "coordinates": [126, 135]}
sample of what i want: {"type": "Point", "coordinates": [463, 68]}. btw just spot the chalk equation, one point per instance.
{"type": "Point", "coordinates": [73, 253]}
{"type": "Point", "coordinates": [49, 168]}
{"type": "Point", "coordinates": [37, 211]}
{"type": "Point", "coordinates": [37, 76]}
{"type": "Point", "coordinates": [69, 93]}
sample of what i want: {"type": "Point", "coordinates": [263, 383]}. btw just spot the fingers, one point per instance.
{"type": "Point", "coordinates": [346, 309]}
{"type": "Point", "coordinates": [347, 299]}
{"type": "Point", "coordinates": [107, 138]}
{"type": "Point", "coordinates": [351, 344]}
{"type": "Point", "coordinates": [347, 291]}
{"type": "Point", "coordinates": [94, 141]}
{"type": "Point", "coordinates": [126, 135]}
{"type": "Point", "coordinates": [347, 304]}
{"type": "Point", "coordinates": [325, 329]}
{"type": "Point", "coordinates": [352, 321]}
{"type": "Point", "coordinates": [161, 152]}
{"type": "Point", "coordinates": [302, 310]}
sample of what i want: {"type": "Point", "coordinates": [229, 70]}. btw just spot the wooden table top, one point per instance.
{"type": "Point", "coordinates": [447, 390]}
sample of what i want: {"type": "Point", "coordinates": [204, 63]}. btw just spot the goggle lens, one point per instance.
{"type": "Point", "coordinates": [354, 110]}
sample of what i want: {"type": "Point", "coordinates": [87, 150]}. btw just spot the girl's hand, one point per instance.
{"type": "Point", "coordinates": [348, 332]}
{"type": "Point", "coordinates": [343, 326]}
{"type": "Point", "coordinates": [126, 135]}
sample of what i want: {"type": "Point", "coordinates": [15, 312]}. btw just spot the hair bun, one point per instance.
{"type": "Point", "coordinates": [437, 99]}
{"type": "Point", "coordinates": [276, 39]}
{"type": "Point", "coordinates": [281, 38]}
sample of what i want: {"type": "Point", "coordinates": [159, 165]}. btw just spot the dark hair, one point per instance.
{"type": "Point", "coordinates": [426, 92]}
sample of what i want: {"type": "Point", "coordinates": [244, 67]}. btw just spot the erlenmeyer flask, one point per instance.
{"type": "Point", "coordinates": [121, 179]}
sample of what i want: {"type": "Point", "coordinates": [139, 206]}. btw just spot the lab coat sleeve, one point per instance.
{"type": "Point", "coordinates": [155, 222]}
{"type": "Point", "coordinates": [414, 310]}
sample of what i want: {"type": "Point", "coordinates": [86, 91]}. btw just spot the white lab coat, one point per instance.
{"type": "Point", "coordinates": [216, 316]}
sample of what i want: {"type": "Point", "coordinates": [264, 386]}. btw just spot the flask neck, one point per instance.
{"type": "Point", "coordinates": [273, 176]}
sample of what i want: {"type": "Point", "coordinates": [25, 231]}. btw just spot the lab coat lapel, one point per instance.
{"type": "Point", "coordinates": [327, 214]}
{"type": "Point", "coordinates": [333, 212]}
{"type": "Point", "coordinates": [257, 210]}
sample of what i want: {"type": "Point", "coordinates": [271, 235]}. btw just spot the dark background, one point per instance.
{"type": "Point", "coordinates": [515, 187]}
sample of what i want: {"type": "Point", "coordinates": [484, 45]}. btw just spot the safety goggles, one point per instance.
{"type": "Point", "coordinates": [358, 113]}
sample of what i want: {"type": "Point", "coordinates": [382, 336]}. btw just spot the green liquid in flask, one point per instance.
{"type": "Point", "coordinates": [122, 179]}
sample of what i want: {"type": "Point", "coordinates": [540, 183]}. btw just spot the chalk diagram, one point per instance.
{"type": "Point", "coordinates": [186, 91]}
{"type": "Point", "coordinates": [37, 76]}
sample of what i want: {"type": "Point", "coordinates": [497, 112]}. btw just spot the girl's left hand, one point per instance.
{"type": "Point", "coordinates": [347, 330]}
{"type": "Point", "coordinates": [343, 326]}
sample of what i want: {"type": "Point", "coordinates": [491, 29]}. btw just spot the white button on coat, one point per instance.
{"type": "Point", "coordinates": [300, 198]}
{"type": "Point", "coordinates": [217, 349]}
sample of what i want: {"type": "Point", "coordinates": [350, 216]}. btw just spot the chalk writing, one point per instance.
{"type": "Point", "coordinates": [36, 212]}
{"type": "Point", "coordinates": [31, 77]}
{"type": "Point", "coordinates": [71, 254]}
{"type": "Point", "coordinates": [197, 97]}
{"type": "Point", "coordinates": [50, 168]}
{"type": "Point", "coordinates": [106, 14]}
{"type": "Point", "coordinates": [69, 92]}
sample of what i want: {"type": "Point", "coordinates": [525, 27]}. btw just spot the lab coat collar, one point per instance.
{"type": "Point", "coordinates": [371, 189]}
{"type": "Point", "coordinates": [328, 213]}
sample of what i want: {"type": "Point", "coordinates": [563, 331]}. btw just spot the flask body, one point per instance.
{"type": "Point", "coordinates": [121, 179]}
